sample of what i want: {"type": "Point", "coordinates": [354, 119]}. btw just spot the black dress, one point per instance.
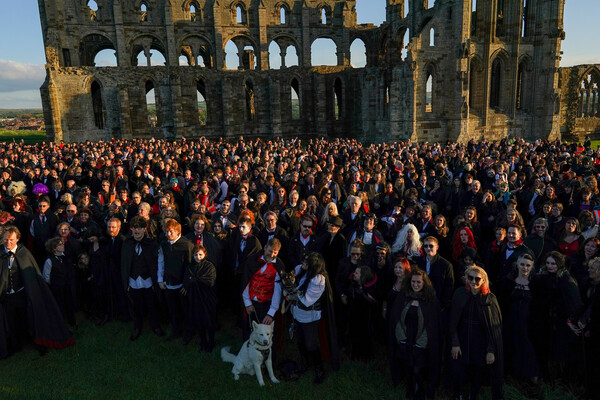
{"type": "Point", "coordinates": [518, 343]}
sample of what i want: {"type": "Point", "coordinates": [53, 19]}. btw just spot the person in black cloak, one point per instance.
{"type": "Point", "coordinates": [26, 302]}
{"type": "Point", "coordinates": [313, 315]}
{"type": "Point", "coordinates": [476, 336]}
{"type": "Point", "coordinates": [588, 322]}
{"type": "Point", "coordinates": [515, 299]}
{"type": "Point", "coordinates": [415, 329]}
{"type": "Point", "coordinates": [59, 274]}
{"type": "Point", "coordinates": [200, 293]}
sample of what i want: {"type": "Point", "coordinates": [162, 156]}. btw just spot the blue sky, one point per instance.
{"type": "Point", "coordinates": [22, 52]}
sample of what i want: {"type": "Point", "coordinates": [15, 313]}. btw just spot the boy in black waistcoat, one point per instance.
{"type": "Point", "coordinates": [174, 256]}
{"type": "Point", "coordinates": [138, 273]}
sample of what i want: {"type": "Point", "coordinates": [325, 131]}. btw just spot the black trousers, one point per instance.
{"type": "Point", "coordinates": [15, 307]}
{"type": "Point", "coordinates": [308, 343]}
{"type": "Point", "coordinates": [143, 301]}
{"type": "Point", "coordinates": [261, 312]}
{"type": "Point", "coordinates": [64, 297]}
{"type": "Point", "coordinates": [176, 306]}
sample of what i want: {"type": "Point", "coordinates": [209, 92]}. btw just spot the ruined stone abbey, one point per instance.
{"type": "Point", "coordinates": [435, 70]}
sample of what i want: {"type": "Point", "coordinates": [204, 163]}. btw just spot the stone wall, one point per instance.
{"type": "Point", "coordinates": [445, 72]}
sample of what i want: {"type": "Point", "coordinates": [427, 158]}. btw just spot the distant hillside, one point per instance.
{"type": "Point", "coordinates": [21, 113]}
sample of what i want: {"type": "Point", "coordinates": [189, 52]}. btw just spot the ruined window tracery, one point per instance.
{"type": "Point", "coordinates": [202, 103]}
{"type": "Point", "coordinates": [589, 96]}
{"type": "Point", "coordinates": [97, 105]}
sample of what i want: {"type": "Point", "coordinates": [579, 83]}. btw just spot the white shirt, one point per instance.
{"type": "Point", "coordinates": [161, 266]}
{"type": "Point", "coordinates": [314, 291]}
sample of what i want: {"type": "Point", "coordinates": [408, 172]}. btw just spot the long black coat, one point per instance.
{"type": "Point", "coordinates": [333, 251]}
{"type": "Point", "coordinates": [201, 295]}
{"type": "Point", "coordinates": [44, 317]}
{"type": "Point", "coordinates": [431, 319]}
{"type": "Point", "coordinates": [489, 314]}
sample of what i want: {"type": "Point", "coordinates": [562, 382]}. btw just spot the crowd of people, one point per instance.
{"type": "Point", "coordinates": [468, 261]}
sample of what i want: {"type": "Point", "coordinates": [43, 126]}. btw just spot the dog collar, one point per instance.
{"type": "Point", "coordinates": [265, 352]}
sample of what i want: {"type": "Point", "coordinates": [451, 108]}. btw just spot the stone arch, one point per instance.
{"type": "Point", "coordinates": [358, 53]}
{"type": "Point", "coordinates": [192, 10]}
{"type": "Point", "coordinates": [287, 42]}
{"type": "Point", "coordinates": [143, 9]}
{"type": "Point", "coordinates": [283, 13]}
{"type": "Point", "coordinates": [275, 55]}
{"type": "Point", "coordinates": [152, 109]}
{"type": "Point", "coordinates": [476, 85]}
{"type": "Point", "coordinates": [338, 99]}
{"type": "Point", "coordinates": [92, 7]}
{"type": "Point", "coordinates": [90, 45]}
{"type": "Point", "coordinates": [430, 85]}
{"type": "Point", "coordinates": [323, 45]}
{"type": "Point", "coordinates": [194, 47]}
{"type": "Point", "coordinates": [295, 98]}
{"type": "Point", "coordinates": [145, 43]}
{"type": "Point", "coordinates": [325, 14]}
{"type": "Point", "coordinates": [523, 98]}
{"type": "Point", "coordinates": [202, 101]}
{"type": "Point", "coordinates": [589, 93]}
{"type": "Point", "coordinates": [499, 62]}
{"type": "Point", "coordinates": [239, 13]}
{"type": "Point", "coordinates": [98, 108]}
{"type": "Point", "coordinates": [246, 49]}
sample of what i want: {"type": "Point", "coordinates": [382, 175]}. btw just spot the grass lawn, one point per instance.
{"type": "Point", "coordinates": [104, 364]}
{"type": "Point", "coordinates": [29, 137]}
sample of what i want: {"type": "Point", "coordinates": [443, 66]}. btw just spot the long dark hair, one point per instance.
{"type": "Point", "coordinates": [316, 266]}
{"type": "Point", "coordinates": [428, 290]}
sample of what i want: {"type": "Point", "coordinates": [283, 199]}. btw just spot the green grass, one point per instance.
{"type": "Point", "coordinates": [28, 137]}
{"type": "Point", "coordinates": [104, 364]}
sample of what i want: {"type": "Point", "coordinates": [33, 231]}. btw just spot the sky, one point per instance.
{"type": "Point", "coordinates": [22, 53]}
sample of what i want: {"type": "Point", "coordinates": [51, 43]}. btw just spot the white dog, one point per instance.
{"type": "Point", "coordinates": [253, 353]}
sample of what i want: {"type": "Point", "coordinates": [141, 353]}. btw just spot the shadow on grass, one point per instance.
{"type": "Point", "coordinates": [104, 364]}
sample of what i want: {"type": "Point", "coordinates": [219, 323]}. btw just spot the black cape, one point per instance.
{"type": "Point", "coordinates": [44, 317]}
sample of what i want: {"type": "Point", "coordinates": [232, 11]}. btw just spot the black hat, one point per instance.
{"type": "Point", "coordinates": [335, 221]}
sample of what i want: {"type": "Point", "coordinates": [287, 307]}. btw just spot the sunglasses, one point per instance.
{"type": "Point", "coordinates": [472, 278]}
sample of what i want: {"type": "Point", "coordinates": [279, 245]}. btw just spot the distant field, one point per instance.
{"type": "Point", "coordinates": [18, 113]}
{"type": "Point", "coordinates": [7, 135]}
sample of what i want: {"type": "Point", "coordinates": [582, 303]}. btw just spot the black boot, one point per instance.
{"type": "Point", "coordinates": [318, 364]}
{"type": "Point", "coordinates": [304, 359]}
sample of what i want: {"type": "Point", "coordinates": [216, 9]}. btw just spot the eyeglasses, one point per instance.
{"type": "Point", "coordinates": [472, 278]}
{"type": "Point", "coordinates": [428, 246]}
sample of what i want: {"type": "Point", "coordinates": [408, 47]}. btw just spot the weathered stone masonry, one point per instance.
{"type": "Point", "coordinates": [491, 67]}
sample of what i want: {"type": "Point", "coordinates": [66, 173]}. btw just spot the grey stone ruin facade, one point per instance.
{"type": "Point", "coordinates": [453, 70]}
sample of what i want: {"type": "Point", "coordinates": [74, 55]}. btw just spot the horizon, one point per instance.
{"type": "Point", "coordinates": [22, 61]}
